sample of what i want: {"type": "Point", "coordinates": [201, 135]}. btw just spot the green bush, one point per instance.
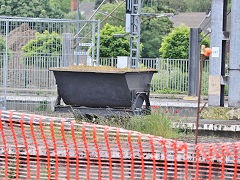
{"type": "Point", "coordinates": [26, 8]}
{"type": "Point", "coordinates": [111, 46]}
{"type": "Point", "coordinates": [43, 48]}
{"type": "Point", "coordinates": [176, 44]}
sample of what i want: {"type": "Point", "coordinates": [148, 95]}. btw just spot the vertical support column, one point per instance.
{"type": "Point", "coordinates": [128, 16]}
{"type": "Point", "coordinates": [133, 14]}
{"type": "Point", "coordinates": [194, 61]}
{"type": "Point", "coordinates": [93, 42]}
{"type": "Point", "coordinates": [138, 33]}
{"type": "Point", "coordinates": [132, 40]}
{"type": "Point", "coordinates": [98, 42]}
{"type": "Point", "coordinates": [5, 65]}
{"type": "Point", "coordinates": [234, 64]}
{"type": "Point", "coordinates": [78, 28]}
{"type": "Point", "coordinates": [215, 64]}
{"type": "Point", "coordinates": [67, 53]}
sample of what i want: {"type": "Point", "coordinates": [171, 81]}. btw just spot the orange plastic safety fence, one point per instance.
{"type": "Point", "coordinates": [37, 147]}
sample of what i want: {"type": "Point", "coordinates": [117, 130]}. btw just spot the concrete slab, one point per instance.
{"type": "Point", "coordinates": [209, 125]}
{"type": "Point", "coordinates": [163, 102]}
{"type": "Point", "coordinates": [30, 98]}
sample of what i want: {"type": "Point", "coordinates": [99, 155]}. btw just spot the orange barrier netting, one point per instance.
{"type": "Point", "coordinates": [37, 147]}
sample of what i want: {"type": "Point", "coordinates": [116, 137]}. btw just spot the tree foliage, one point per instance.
{"type": "Point", "coordinates": [63, 5]}
{"type": "Point", "coordinates": [119, 13]}
{"type": "Point", "coordinates": [154, 29]}
{"type": "Point", "coordinates": [26, 8]}
{"type": "Point", "coordinates": [186, 5]}
{"type": "Point", "coordinates": [152, 32]}
{"type": "Point", "coordinates": [43, 46]}
{"type": "Point", "coordinates": [98, 2]}
{"type": "Point", "coordinates": [198, 6]}
{"type": "Point", "coordinates": [176, 44]}
{"type": "Point", "coordinates": [158, 6]}
{"type": "Point", "coordinates": [111, 46]}
{"type": "Point", "coordinates": [74, 15]}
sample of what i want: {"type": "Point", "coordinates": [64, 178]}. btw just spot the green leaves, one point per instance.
{"type": "Point", "coordinates": [152, 32]}
{"type": "Point", "coordinates": [26, 8]}
{"type": "Point", "coordinates": [44, 45]}
{"type": "Point", "coordinates": [185, 5]}
{"type": "Point", "coordinates": [111, 46]}
{"type": "Point", "coordinates": [119, 13]}
{"type": "Point", "coordinates": [176, 44]}
{"type": "Point", "coordinates": [63, 5]}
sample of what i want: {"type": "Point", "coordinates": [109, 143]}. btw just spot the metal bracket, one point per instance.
{"type": "Point", "coordinates": [133, 97]}
{"type": "Point", "coordinates": [123, 35]}
{"type": "Point", "coordinates": [139, 99]}
{"type": "Point", "coordinates": [148, 88]}
{"type": "Point", "coordinates": [234, 69]}
{"type": "Point", "coordinates": [224, 80]}
{"type": "Point", "coordinates": [226, 35]}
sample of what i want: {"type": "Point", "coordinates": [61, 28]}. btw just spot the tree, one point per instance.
{"type": "Point", "coordinates": [176, 44]}
{"type": "Point", "coordinates": [63, 5]}
{"type": "Point", "coordinates": [198, 6]}
{"type": "Point", "coordinates": [186, 5]}
{"type": "Point", "coordinates": [180, 5]}
{"type": "Point", "coordinates": [152, 32]}
{"type": "Point", "coordinates": [119, 13]}
{"type": "Point", "coordinates": [111, 46]}
{"type": "Point", "coordinates": [74, 15]}
{"type": "Point", "coordinates": [26, 8]}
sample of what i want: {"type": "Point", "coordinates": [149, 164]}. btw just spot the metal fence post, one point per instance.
{"type": "Point", "coordinates": [167, 75]}
{"type": "Point", "coordinates": [234, 69]}
{"type": "Point", "coordinates": [67, 48]}
{"type": "Point", "coordinates": [194, 61]}
{"type": "Point", "coordinates": [98, 42]}
{"type": "Point", "coordinates": [5, 66]}
{"type": "Point", "coordinates": [217, 59]}
{"type": "Point", "coordinates": [93, 41]}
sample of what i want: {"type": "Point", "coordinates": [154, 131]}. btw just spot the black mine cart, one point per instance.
{"type": "Point", "coordinates": [104, 92]}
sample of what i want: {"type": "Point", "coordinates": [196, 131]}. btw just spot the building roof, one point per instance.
{"type": "Point", "coordinates": [191, 19]}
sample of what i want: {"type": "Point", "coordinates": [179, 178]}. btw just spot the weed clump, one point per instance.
{"type": "Point", "coordinates": [158, 123]}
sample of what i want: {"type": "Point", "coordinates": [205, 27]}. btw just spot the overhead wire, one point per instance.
{"type": "Point", "coordinates": [110, 14]}
{"type": "Point", "coordinates": [107, 16]}
{"type": "Point", "coordinates": [76, 35]}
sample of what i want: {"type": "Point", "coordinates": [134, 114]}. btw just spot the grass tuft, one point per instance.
{"type": "Point", "coordinates": [158, 123]}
